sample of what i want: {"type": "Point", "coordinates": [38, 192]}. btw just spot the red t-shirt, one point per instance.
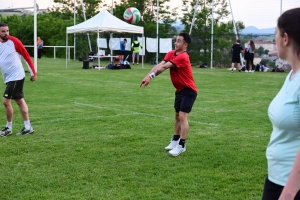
{"type": "Point", "coordinates": [181, 74]}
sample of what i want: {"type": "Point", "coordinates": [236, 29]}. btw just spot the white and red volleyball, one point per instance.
{"type": "Point", "coordinates": [132, 15]}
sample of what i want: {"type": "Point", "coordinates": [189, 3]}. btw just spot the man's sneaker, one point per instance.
{"type": "Point", "coordinates": [177, 150]}
{"type": "Point", "coordinates": [137, 63]}
{"type": "Point", "coordinates": [26, 131]}
{"type": "Point", "coordinates": [172, 144]}
{"type": "Point", "coordinates": [5, 132]}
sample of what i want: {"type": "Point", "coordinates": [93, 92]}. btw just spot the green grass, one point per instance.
{"type": "Point", "coordinates": [98, 135]}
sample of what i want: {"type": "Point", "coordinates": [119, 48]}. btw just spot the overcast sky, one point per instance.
{"type": "Point", "coordinates": [259, 13]}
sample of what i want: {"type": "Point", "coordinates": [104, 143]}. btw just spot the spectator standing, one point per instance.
{"type": "Point", "coordinates": [122, 50]}
{"type": "Point", "coordinates": [136, 51]}
{"type": "Point", "coordinates": [236, 49]}
{"type": "Point", "coordinates": [40, 48]}
{"type": "Point", "coordinates": [251, 51]}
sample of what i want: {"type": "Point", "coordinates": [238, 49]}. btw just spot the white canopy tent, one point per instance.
{"type": "Point", "coordinates": [103, 22]}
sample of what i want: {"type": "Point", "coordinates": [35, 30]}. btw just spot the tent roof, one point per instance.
{"type": "Point", "coordinates": [104, 21]}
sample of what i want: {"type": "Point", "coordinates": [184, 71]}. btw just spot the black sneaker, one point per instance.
{"type": "Point", "coordinates": [5, 132]}
{"type": "Point", "coordinates": [26, 131]}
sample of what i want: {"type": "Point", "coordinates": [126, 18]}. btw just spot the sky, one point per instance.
{"type": "Point", "coordinates": [258, 13]}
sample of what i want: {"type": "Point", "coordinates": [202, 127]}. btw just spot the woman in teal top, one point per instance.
{"type": "Point", "coordinates": [283, 151]}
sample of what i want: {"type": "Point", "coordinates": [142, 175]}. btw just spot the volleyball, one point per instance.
{"type": "Point", "coordinates": [132, 15]}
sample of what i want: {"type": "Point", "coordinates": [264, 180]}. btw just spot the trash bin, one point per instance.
{"type": "Point", "coordinates": [86, 64]}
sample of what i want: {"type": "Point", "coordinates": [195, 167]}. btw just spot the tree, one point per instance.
{"type": "Point", "coordinates": [65, 9]}
{"type": "Point", "coordinates": [148, 10]}
{"type": "Point", "coordinates": [260, 51]}
{"type": "Point", "coordinates": [266, 51]}
{"type": "Point", "coordinates": [201, 31]}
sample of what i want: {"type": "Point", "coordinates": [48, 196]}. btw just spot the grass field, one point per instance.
{"type": "Point", "coordinates": [98, 135]}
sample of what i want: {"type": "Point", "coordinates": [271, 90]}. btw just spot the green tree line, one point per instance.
{"type": "Point", "coordinates": [51, 26]}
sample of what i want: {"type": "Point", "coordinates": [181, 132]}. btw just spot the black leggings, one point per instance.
{"type": "Point", "coordinates": [273, 191]}
{"type": "Point", "coordinates": [250, 60]}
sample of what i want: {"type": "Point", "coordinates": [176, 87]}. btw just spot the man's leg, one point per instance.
{"type": "Point", "coordinates": [24, 112]}
{"type": "Point", "coordinates": [137, 59]}
{"type": "Point", "coordinates": [184, 124]}
{"type": "Point", "coordinates": [177, 129]}
{"type": "Point", "coordinates": [175, 139]}
{"type": "Point", "coordinates": [232, 66]}
{"type": "Point", "coordinates": [7, 130]}
{"type": "Point", "coordinates": [133, 58]}
{"type": "Point", "coordinates": [23, 108]}
{"type": "Point", "coordinates": [9, 111]}
{"type": "Point", "coordinates": [181, 125]}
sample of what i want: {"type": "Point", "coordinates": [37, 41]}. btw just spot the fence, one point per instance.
{"type": "Point", "coordinates": [54, 48]}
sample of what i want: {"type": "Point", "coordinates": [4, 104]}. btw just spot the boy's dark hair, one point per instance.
{"type": "Point", "coordinates": [125, 39]}
{"type": "Point", "coordinates": [288, 23]}
{"type": "Point", "coordinates": [238, 41]}
{"type": "Point", "coordinates": [186, 37]}
{"type": "Point", "coordinates": [3, 24]}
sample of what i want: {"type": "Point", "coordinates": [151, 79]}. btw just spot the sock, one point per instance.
{"type": "Point", "coordinates": [182, 142]}
{"type": "Point", "coordinates": [176, 137]}
{"type": "Point", "coordinates": [9, 124]}
{"type": "Point", "coordinates": [27, 124]}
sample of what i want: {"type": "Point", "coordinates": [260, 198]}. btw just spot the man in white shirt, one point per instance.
{"type": "Point", "coordinates": [11, 50]}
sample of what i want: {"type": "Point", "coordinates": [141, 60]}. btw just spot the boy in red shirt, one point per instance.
{"type": "Point", "coordinates": [181, 74]}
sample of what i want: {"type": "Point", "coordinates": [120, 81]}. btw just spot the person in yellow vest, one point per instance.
{"type": "Point", "coordinates": [136, 51]}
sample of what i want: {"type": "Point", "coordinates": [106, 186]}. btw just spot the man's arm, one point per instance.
{"type": "Point", "coordinates": [155, 71]}
{"type": "Point", "coordinates": [23, 52]}
{"type": "Point", "coordinates": [293, 184]}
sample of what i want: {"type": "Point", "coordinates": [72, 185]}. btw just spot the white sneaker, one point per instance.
{"type": "Point", "coordinates": [172, 144]}
{"type": "Point", "coordinates": [253, 71]}
{"type": "Point", "coordinates": [246, 71]}
{"type": "Point", "coordinates": [177, 150]}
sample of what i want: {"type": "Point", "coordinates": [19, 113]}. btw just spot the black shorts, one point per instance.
{"type": "Point", "coordinates": [273, 191]}
{"type": "Point", "coordinates": [123, 53]}
{"type": "Point", "coordinates": [236, 58]}
{"type": "Point", "coordinates": [14, 89]}
{"type": "Point", "coordinates": [184, 100]}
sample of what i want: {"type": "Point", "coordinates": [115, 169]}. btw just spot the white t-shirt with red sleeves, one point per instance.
{"type": "Point", "coordinates": [10, 60]}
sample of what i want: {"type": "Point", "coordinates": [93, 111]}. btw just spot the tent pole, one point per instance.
{"type": "Point", "coordinates": [74, 33]}
{"type": "Point", "coordinates": [98, 49]}
{"type": "Point", "coordinates": [143, 50]}
{"type": "Point", "coordinates": [66, 49]}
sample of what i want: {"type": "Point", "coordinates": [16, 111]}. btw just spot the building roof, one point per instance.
{"type": "Point", "coordinates": [262, 42]}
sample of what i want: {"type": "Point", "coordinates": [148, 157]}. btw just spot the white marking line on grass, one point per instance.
{"type": "Point", "coordinates": [139, 113]}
